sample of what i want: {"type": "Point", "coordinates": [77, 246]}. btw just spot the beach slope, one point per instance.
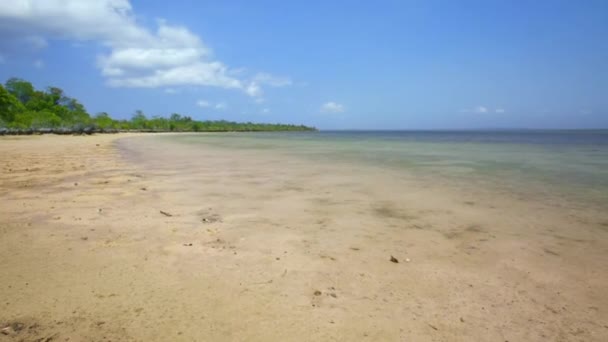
{"type": "Point", "coordinates": [132, 238]}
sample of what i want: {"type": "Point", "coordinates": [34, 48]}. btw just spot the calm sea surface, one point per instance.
{"type": "Point", "coordinates": [568, 163]}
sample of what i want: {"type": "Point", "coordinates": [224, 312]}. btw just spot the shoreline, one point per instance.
{"type": "Point", "coordinates": [252, 251]}
{"type": "Point", "coordinates": [91, 131]}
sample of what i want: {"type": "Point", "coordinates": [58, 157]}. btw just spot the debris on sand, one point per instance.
{"type": "Point", "coordinates": [395, 260]}
{"type": "Point", "coordinates": [211, 219]}
{"type": "Point", "coordinates": [143, 189]}
{"type": "Point", "coordinates": [317, 293]}
{"type": "Point", "coordinates": [165, 213]}
{"type": "Point", "coordinates": [12, 328]}
{"type": "Point", "coordinates": [188, 244]}
{"type": "Point", "coordinates": [208, 216]}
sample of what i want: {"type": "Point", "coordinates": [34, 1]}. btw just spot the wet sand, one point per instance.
{"type": "Point", "coordinates": [258, 247]}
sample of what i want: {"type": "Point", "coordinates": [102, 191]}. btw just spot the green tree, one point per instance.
{"type": "Point", "coordinates": [175, 117]}
{"type": "Point", "coordinates": [21, 89]}
{"type": "Point", "coordinates": [9, 106]}
{"type": "Point", "coordinates": [139, 120]}
{"type": "Point", "coordinates": [44, 119]}
{"type": "Point", "coordinates": [104, 121]}
{"type": "Point", "coordinates": [22, 106]}
{"type": "Point", "coordinates": [56, 96]}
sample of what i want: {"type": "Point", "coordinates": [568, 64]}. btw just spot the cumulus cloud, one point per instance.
{"type": "Point", "coordinates": [253, 89]}
{"type": "Point", "coordinates": [332, 107]}
{"type": "Point", "coordinates": [169, 56]}
{"type": "Point", "coordinates": [221, 106]}
{"type": "Point", "coordinates": [499, 110]}
{"type": "Point", "coordinates": [203, 103]}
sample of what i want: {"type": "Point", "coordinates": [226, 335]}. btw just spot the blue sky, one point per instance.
{"type": "Point", "coordinates": [331, 64]}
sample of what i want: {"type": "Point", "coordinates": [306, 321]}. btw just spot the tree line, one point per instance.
{"type": "Point", "coordinates": [25, 110]}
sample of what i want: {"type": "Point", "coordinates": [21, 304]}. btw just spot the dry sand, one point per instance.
{"type": "Point", "coordinates": [272, 248]}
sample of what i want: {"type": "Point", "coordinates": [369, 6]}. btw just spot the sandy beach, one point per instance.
{"type": "Point", "coordinates": [134, 238]}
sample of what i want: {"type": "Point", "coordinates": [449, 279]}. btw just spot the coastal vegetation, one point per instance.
{"type": "Point", "coordinates": [26, 110]}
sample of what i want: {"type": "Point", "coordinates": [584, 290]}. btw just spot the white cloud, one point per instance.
{"type": "Point", "coordinates": [221, 106]}
{"type": "Point", "coordinates": [39, 64]}
{"type": "Point", "coordinates": [112, 72]}
{"type": "Point", "coordinates": [265, 110]}
{"type": "Point", "coordinates": [332, 107]}
{"type": "Point", "coordinates": [203, 103]}
{"type": "Point", "coordinates": [483, 110]}
{"type": "Point", "coordinates": [271, 80]}
{"type": "Point", "coordinates": [202, 74]}
{"type": "Point", "coordinates": [171, 91]}
{"type": "Point", "coordinates": [259, 100]}
{"type": "Point", "coordinates": [137, 57]}
{"type": "Point", "coordinates": [253, 89]}
{"type": "Point", "coordinates": [480, 109]}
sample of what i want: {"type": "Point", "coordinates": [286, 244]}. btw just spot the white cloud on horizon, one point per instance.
{"type": "Point", "coordinates": [483, 110]}
{"type": "Point", "coordinates": [171, 55]}
{"type": "Point", "coordinates": [207, 104]}
{"type": "Point", "coordinates": [203, 103]}
{"type": "Point", "coordinates": [332, 107]}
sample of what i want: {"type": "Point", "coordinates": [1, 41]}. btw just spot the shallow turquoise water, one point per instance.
{"type": "Point", "coordinates": [571, 163]}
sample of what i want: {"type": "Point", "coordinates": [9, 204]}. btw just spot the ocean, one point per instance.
{"type": "Point", "coordinates": [571, 164]}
